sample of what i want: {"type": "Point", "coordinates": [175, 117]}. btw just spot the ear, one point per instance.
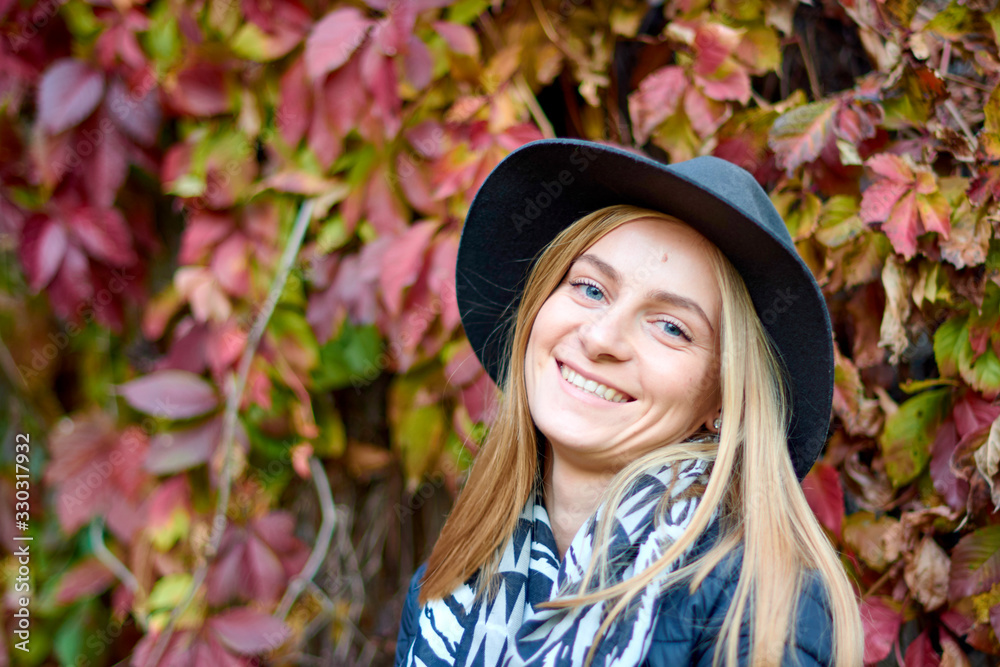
{"type": "Point", "coordinates": [709, 423]}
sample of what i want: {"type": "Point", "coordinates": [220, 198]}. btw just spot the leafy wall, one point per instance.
{"type": "Point", "coordinates": [230, 342]}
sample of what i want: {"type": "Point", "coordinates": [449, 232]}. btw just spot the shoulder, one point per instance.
{"type": "Point", "coordinates": [409, 618]}
{"type": "Point", "coordinates": [688, 626]}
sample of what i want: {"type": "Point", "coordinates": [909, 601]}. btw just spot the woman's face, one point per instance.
{"type": "Point", "coordinates": [636, 322]}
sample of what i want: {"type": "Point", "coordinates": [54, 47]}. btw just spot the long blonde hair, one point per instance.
{"type": "Point", "coordinates": [753, 485]}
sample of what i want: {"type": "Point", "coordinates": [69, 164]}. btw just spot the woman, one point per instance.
{"type": "Point", "coordinates": [666, 365]}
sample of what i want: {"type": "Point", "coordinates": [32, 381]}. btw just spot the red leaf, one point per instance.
{"type": "Point", "coordinates": [230, 264]}
{"type": "Point", "coordinates": [69, 92]}
{"type": "Point", "coordinates": [72, 285]}
{"type": "Point", "coordinates": [201, 90]}
{"type": "Point", "coordinates": [441, 279]}
{"type": "Point", "coordinates": [460, 38]}
{"type": "Point", "coordinates": [656, 100]}
{"type": "Point", "coordinates": [825, 496]}
{"type": "Point", "coordinates": [386, 213]}
{"type": "Point", "coordinates": [227, 575]}
{"type": "Point", "coordinates": [295, 105]}
{"type": "Point", "coordinates": [733, 86]}
{"type": "Point", "coordinates": [334, 39]}
{"type": "Point", "coordinates": [136, 110]}
{"type": "Point", "coordinates": [881, 624]}
{"type": "Point", "coordinates": [418, 63]}
{"type": "Point", "coordinates": [879, 199]}
{"type": "Point", "coordinates": [88, 578]}
{"type": "Point", "coordinates": [800, 135]}
{"type": "Point", "coordinates": [954, 489]}
{"type": "Point", "coordinates": [479, 399]}
{"type": "Point", "coordinates": [170, 394]}
{"type": "Point", "coordinates": [920, 653]}
{"type": "Point", "coordinates": [403, 262]}
{"type": "Point", "coordinates": [42, 248]}
{"type": "Point", "coordinates": [267, 575]}
{"type": "Point", "coordinates": [703, 114]}
{"type": "Point", "coordinates": [974, 415]}
{"type": "Point", "coordinates": [247, 631]}
{"type": "Point", "coordinates": [323, 140]}
{"type": "Point", "coordinates": [901, 227]}
{"type": "Point", "coordinates": [104, 234]}
{"type": "Point", "coordinates": [891, 167]}
{"type": "Point", "coordinates": [203, 231]}
{"type": "Point", "coordinates": [343, 98]}
{"type": "Point", "coordinates": [414, 181]}
{"type": "Point", "coordinates": [975, 563]}
{"type": "Point", "coordinates": [713, 43]}
{"type": "Point", "coordinates": [392, 32]}
{"type": "Point", "coordinates": [106, 169]}
{"type": "Point", "coordinates": [173, 451]}
{"type": "Point", "coordinates": [277, 530]}
{"type": "Point", "coordinates": [378, 71]}
{"type": "Point", "coordinates": [464, 367]}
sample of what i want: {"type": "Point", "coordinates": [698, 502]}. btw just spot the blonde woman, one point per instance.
{"type": "Point", "coordinates": [666, 368]}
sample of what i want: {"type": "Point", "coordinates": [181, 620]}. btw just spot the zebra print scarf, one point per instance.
{"type": "Point", "coordinates": [511, 630]}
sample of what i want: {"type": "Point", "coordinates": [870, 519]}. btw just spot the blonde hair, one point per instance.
{"type": "Point", "coordinates": [752, 484]}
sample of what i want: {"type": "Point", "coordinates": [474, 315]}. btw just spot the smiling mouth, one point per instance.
{"type": "Point", "coordinates": [592, 386]}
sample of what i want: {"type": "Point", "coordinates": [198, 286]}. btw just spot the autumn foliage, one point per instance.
{"type": "Point", "coordinates": [177, 178]}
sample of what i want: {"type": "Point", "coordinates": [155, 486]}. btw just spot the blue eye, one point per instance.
{"type": "Point", "coordinates": [672, 329]}
{"type": "Point", "coordinates": [590, 290]}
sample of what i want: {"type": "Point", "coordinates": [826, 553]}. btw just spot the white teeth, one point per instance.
{"type": "Point", "coordinates": [607, 393]}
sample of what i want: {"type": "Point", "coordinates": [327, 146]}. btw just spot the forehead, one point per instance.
{"type": "Point", "coordinates": [648, 247]}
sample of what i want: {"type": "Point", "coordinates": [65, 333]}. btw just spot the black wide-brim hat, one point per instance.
{"type": "Point", "coordinates": [544, 186]}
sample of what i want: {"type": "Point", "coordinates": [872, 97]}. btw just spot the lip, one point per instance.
{"type": "Point", "coordinates": [596, 378]}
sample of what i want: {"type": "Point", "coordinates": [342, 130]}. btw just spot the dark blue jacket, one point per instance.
{"type": "Point", "coordinates": [688, 627]}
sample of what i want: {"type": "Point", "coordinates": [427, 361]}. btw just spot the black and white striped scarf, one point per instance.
{"type": "Point", "coordinates": [511, 630]}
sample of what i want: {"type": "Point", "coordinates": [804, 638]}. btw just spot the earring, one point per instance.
{"type": "Point", "coordinates": [717, 423]}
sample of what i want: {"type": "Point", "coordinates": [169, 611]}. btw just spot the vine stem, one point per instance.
{"type": "Point", "coordinates": [109, 560]}
{"type": "Point", "coordinates": [235, 394]}
{"type": "Point", "coordinates": [322, 546]}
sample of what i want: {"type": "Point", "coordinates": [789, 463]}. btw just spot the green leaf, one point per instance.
{"type": "Point", "coordinates": [418, 423]}
{"type": "Point", "coordinates": [333, 234]}
{"type": "Point", "coordinates": [353, 359]}
{"type": "Point", "coordinates": [163, 39]}
{"type": "Point", "coordinates": [252, 43]}
{"type": "Point", "coordinates": [80, 20]}
{"type": "Point", "coordinates": [466, 11]}
{"type": "Point", "coordinates": [839, 221]}
{"type": "Point", "coordinates": [909, 434]}
{"type": "Point", "coordinates": [989, 137]}
{"type": "Point", "coordinates": [294, 339]}
{"type": "Point", "coordinates": [68, 644]}
{"type": "Point", "coordinates": [168, 592]}
{"type": "Point", "coordinates": [955, 21]}
{"type": "Point", "coordinates": [949, 341]}
{"type": "Point", "coordinates": [177, 526]}
{"type": "Point", "coordinates": [984, 376]}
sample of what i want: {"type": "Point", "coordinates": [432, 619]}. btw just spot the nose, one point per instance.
{"type": "Point", "coordinates": [605, 335]}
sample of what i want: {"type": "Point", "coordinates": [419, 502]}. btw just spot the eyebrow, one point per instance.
{"type": "Point", "coordinates": [663, 296]}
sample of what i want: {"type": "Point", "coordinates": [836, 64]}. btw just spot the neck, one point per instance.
{"type": "Point", "coordinates": [572, 495]}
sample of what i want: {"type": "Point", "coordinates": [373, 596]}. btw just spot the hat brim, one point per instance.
{"type": "Point", "coordinates": [541, 188]}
